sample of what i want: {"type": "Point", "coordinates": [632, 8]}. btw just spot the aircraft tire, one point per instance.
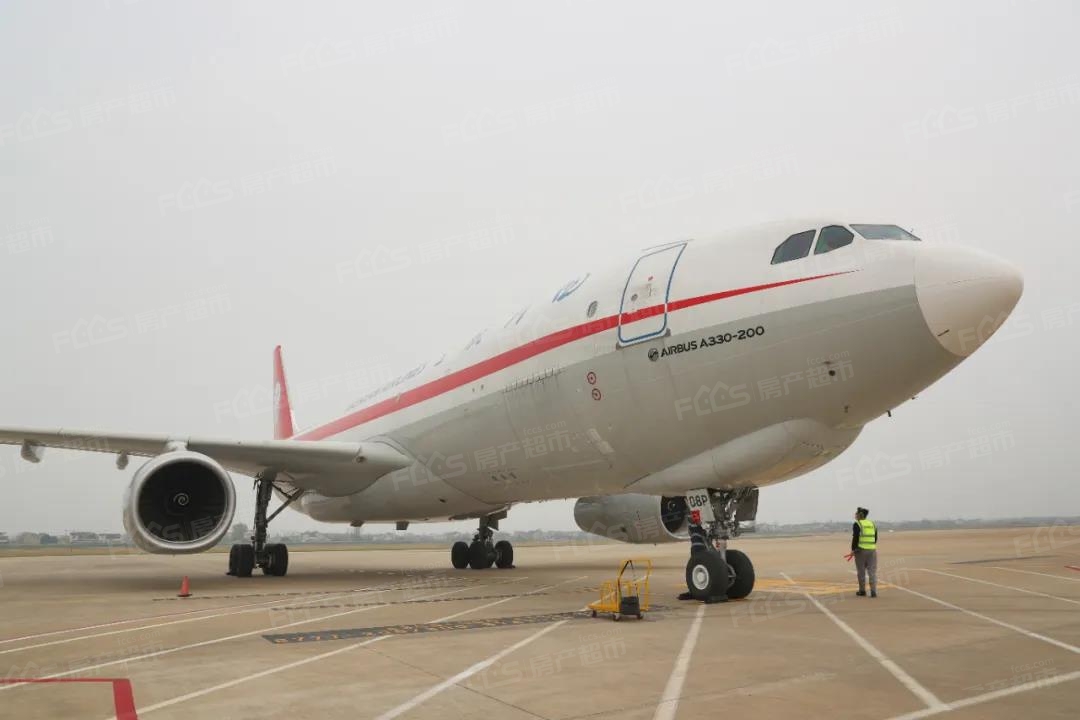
{"type": "Point", "coordinates": [233, 551]}
{"type": "Point", "coordinates": [245, 560]}
{"type": "Point", "coordinates": [459, 555]}
{"type": "Point", "coordinates": [504, 554]}
{"type": "Point", "coordinates": [743, 574]}
{"type": "Point", "coordinates": [481, 556]}
{"type": "Point", "coordinates": [277, 560]}
{"type": "Point", "coordinates": [707, 575]}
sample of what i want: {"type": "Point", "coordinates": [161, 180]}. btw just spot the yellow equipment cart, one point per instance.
{"type": "Point", "coordinates": [625, 595]}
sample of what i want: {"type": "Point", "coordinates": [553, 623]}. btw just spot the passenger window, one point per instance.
{"type": "Point", "coordinates": [795, 247]}
{"type": "Point", "coordinates": [832, 238]}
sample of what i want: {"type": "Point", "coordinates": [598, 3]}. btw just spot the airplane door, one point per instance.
{"type": "Point", "coordinates": [644, 307]}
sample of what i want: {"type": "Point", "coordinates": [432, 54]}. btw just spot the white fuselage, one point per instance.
{"type": "Point", "coordinates": [694, 364]}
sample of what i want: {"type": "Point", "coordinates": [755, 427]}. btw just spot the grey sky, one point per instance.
{"type": "Point", "coordinates": [186, 185]}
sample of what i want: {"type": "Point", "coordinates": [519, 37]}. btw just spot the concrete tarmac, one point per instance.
{"type": "Point", "coordinates": [968, 624]}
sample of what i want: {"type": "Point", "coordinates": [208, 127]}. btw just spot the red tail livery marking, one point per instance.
{"type": "Point", "coordinates": [283, 418]}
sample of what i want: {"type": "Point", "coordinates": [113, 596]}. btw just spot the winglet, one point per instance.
{"type": "Point", "coordinates": [283, 417]}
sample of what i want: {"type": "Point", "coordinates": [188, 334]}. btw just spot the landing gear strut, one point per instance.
{"type": "Point", "coordinates": [273, 558]}
{"type": "Point", "coordinates": [714, 573]}
{"type": "Point", "coordinates": [481, 553]}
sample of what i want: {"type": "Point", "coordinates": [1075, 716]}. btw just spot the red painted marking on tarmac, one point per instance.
{"type": "Point", "coordinates": [123, 697]}
{"type": "Point", "coordinates": [124, 700]}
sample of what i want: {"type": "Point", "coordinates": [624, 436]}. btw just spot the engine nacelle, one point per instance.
{"type": "Point", "coordinates": [634, 518]}
{"type": "Point", "coordinates": [179, 502]}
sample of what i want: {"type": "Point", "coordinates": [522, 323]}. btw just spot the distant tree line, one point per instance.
{"type": "Point", "coordinates": [240, 532]}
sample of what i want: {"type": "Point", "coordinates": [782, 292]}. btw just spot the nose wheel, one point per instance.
{"type": "Point", "coordinates": [742, 574]}
{"type": "Point", "coordinates": [707, 576]}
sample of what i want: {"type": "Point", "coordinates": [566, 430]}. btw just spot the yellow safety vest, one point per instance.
{"type": "Point", "coordinates": [867, 535]}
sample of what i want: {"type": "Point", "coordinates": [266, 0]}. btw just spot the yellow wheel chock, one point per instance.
{"type": "Point", "coordinates": [625, 596]}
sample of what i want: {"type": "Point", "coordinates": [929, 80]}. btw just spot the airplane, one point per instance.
{"type": "Point", "coordinates": [662, 392]}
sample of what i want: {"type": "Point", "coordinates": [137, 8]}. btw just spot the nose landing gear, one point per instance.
{"type": "Point", "coordinates": [714, 573]}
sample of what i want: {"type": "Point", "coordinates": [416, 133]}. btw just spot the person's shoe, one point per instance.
{"type": "Point", "coordinates": [861, 593]}
{"type": "Point", "coordinates": [873, 593]}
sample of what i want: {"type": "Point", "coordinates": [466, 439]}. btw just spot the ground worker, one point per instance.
{"type": "Point", "coordinates": [864, 548]}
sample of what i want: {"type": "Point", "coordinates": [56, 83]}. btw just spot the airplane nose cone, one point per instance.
{"type": "Point", "coordinates": [965, 295]}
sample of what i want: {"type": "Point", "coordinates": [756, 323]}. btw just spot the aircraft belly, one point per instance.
{"type": "Point", "coordinates": [414, 494]}
{"type": "Point", "coordinates": [763, 457]}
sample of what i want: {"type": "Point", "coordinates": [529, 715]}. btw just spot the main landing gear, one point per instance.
{"type": "Point", "coordinates": [715, 573]}
{"type": "Point", "coordinates": [481, 553]}
{"type": "Point", "coordinates": [273, 558]}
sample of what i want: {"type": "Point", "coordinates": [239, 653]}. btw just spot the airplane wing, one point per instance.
{"type": "Point", "coordinates": [332, 468]}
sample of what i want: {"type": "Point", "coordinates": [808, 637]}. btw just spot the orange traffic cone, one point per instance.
{"type": "Point", "coordinates": [185, 588]}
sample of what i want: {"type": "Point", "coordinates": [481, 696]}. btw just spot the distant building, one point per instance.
{"type": "Point", "coordinates": [4, 539]}
{"type": "Point", "coordinates": [28, 538]}
{"type": "Point", "coordinates": [80, 537]}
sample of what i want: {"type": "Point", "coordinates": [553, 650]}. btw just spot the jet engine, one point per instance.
{"type": "Point", "coordinates": [179, 502]}
{"type": "Point", "coordinates": [633, 518]}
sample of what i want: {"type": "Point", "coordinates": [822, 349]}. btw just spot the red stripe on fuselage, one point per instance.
{"type": "Point", "coordinates": [503, 360]}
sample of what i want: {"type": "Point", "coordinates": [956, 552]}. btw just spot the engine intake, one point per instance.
{"type": "Point", "coordinates": [179, 502]}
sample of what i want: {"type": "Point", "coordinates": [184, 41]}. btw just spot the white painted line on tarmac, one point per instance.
{"type": "Point", "coordinates": [507, 599]}
{"type": "Point", "coordinates": [669, 701]}
{"type": "Point", "coordinates": [931, 700]}
{"type": "Point", "coordinates": [987, 618]}
{"type": "Point", "coordinates": [204, 643]}
{"type": "Point", "coordinates": [235, 610]}
{"type": "Point", "coordinates": [478, 667]}
{"type": "Point", "coordinates": [274, 670]}
{"type": "Point", "coordinates": [1032, 572]}
{"type": "Point", "coordinates": [249, 678]}
{"type": "Point", "coordinates": [317, 596]}
{"type": "Point", "coordinates": [113, 624]}
{"type": "Point", "coordinates": [995, 695]}
{"type": "Point", "coordinates": [465, 674]}
{"type": "Point", "coordinates": [999, 585]}
{"type": "Point", "coordinates": [214, 641]}
{"type": "Point", "coordinates": [315, 658]}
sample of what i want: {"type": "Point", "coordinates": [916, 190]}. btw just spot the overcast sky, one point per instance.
{"type": "Point", "coordinates": [185, 185]}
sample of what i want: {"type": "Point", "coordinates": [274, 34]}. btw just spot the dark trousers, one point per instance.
{"type": "Point", "coordinates": [866, 563]}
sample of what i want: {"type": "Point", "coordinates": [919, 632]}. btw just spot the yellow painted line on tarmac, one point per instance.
{"type": "Point", "coordinates": [810, 587]}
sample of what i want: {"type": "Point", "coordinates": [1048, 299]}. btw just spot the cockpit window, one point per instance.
{"type": "Point", "coordinates": [832, 238]}
{"type": "Point", "coordinates": [795, 247]}
{"type": "Point", "coordinates": [884, 232]}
